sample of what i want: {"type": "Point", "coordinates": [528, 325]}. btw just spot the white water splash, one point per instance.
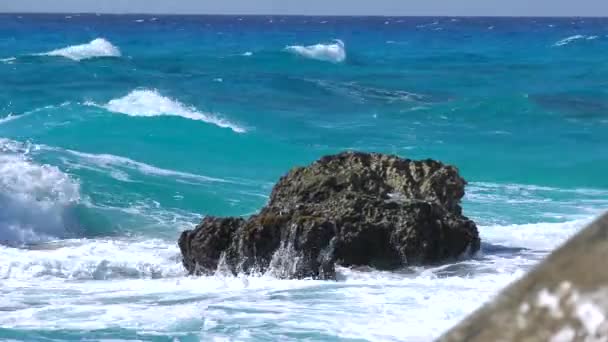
{"type": "Point", "coordinates": [141, 285]}
{"type": "Point", "coordinates": [150, 103]}
{"type": "Point", "coordinates": [34, 199]}
{"type": "Point", "coordinates": [96, 48]}
{"type": "Point", "coordinates": [334, 52]}
{"type": "Point", "coordinates": [92, 260]}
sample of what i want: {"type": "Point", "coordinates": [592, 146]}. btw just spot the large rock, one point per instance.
{"type": "Point", "coordinates": [564, 299]}
{"type": "Point", "coordinates": [351, 209]}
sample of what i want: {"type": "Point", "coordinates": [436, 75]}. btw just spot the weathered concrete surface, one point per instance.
{"type": "Point", "coordinates": [565, 298]}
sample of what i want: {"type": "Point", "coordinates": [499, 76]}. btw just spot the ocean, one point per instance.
{"type": "Point", "coordinates": [119, 132]}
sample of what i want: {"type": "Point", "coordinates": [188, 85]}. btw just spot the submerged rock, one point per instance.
{"type": "Point", "coordinates": [563, 299]}
{"type": "Point", "coordinates": [350, 209]}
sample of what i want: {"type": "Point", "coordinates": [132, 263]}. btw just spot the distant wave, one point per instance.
{"type": "Point", "coordinates": [11, 116]}
{"type": "Point", "coordinates": [363, 93]}
{"type": "Point", "coordinates": [533, 188]}
{"type": "Point", "coordinates": [334, 52]}
{"type": "Point", "coordinates": [149, 103]}
{"type": "Point", "coordinates": [247, 54]}
{"type": "Point", "coordinates": [494, 201]}
{"type": "Point", "coordinates": [574, 38]}
{"type": "Point", "coordinates": [9, 60]}
{"type": "Point", "coordinates": [114, 163]}
{"type": "Point", "coordinates": [96, 48]}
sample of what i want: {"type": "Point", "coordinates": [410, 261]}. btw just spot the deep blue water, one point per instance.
{"type": "Point", "coordinates": [118, 132]}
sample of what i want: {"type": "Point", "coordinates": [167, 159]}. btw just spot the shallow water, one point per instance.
{"type": "Point", "coordinates": [118, 132]}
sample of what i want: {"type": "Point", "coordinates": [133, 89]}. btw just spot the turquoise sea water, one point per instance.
{"type": "Point", "coordinates": [119, 132]}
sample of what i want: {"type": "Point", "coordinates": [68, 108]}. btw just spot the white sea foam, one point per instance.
{"type": "Point", "coordinates": [9, 60]}
{"type": "Point", "coordinates": [574, 38]}
{"type": "Point", "coordinates": [116, 164]}
{"type": "Point", "coordinates": [141, 285]}
{"type": "Point", "coordinates": [247, 54]}
{"type": "Point", "coordinates": [137, 285]}
{"type": "Point", "coordinates": [34, 199]}
{"type": "Point", "coordinates": [541, 236]}
{"type": "Point", "coordinates": [532, 187]}
{"type": "Point", "coordinates": [8, 118]}
{"type": "Point", "coordinates": [98, 47]}
{"type": "Point", "coordinates": [119, 167]}
{"type": "Point", "coordinates": [92, 259]}
{"type": "Point", "coordinates": [150, 103]}
{"type": "Point", "coordinates": [334, 52]}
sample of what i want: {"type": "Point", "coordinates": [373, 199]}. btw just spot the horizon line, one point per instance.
{"type": "Point", "coordinates": [306, 15]}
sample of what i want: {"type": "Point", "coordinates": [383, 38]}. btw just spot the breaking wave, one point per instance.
{"type": "Point", "coordinates": [150, 103]}
{"type": "Point", "coordinates": [334, 52]}
{"type": "Point", "coordinates": [35, 200]}
{"type": "Point", "coordinates": [574, 38]}
{"type": "Point", "coordinates": [92, 259]}
{"type": "Point", "coordinates": [96, 48]}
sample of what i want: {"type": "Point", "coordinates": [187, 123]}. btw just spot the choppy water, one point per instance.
{"type": "Point", "coordinates": [118, 132]}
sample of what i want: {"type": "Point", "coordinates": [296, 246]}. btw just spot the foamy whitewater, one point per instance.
{"type": "Point", "coordinates": [103, 163]}
{"type": "Point", "coordinates": [148, 103]}
{"type": "Point", "coordinates": [334, 52]}
{"type": "Point", "coordinates": [96, 48]}
{"type": "Point", "coordinates": [34, 200]}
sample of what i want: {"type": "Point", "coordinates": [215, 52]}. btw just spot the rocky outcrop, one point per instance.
{"type": "Point", "coordinates": [563, 299]}
{"type": "Point", "coordinates": [350, 209]}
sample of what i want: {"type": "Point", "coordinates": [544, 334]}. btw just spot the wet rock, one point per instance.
{"type": "Point", "coordinates": [350, 209]}
{"type": "Point", "coordinates": [563, 299]}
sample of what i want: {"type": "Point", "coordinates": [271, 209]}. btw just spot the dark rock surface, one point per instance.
{"type": "Point", "coordinates": [351, 209]}
{"type": "Point", "coordinates": [563, 299]}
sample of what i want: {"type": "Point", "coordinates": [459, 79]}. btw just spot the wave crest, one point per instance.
{"type": "Point", "coordinates": [9, 60]}
{"type": "Point", "coordinates": [98, 47]}
{"type": "Point", "coordinates": [334, 52]}
{"type": "Point", "coordinates": [93, 259]}
{"type": "Point", "coordinates": [116, 164]}
{"type": "Point", "coordinates": [34, 200]}
{"type": "Point", "coordinates": [150, 103]}
{"type": "Point", "coordinates": [574, 38]}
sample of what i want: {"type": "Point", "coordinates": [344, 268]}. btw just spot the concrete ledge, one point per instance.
{"type": "Point", "coordinates": [565, 298]}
